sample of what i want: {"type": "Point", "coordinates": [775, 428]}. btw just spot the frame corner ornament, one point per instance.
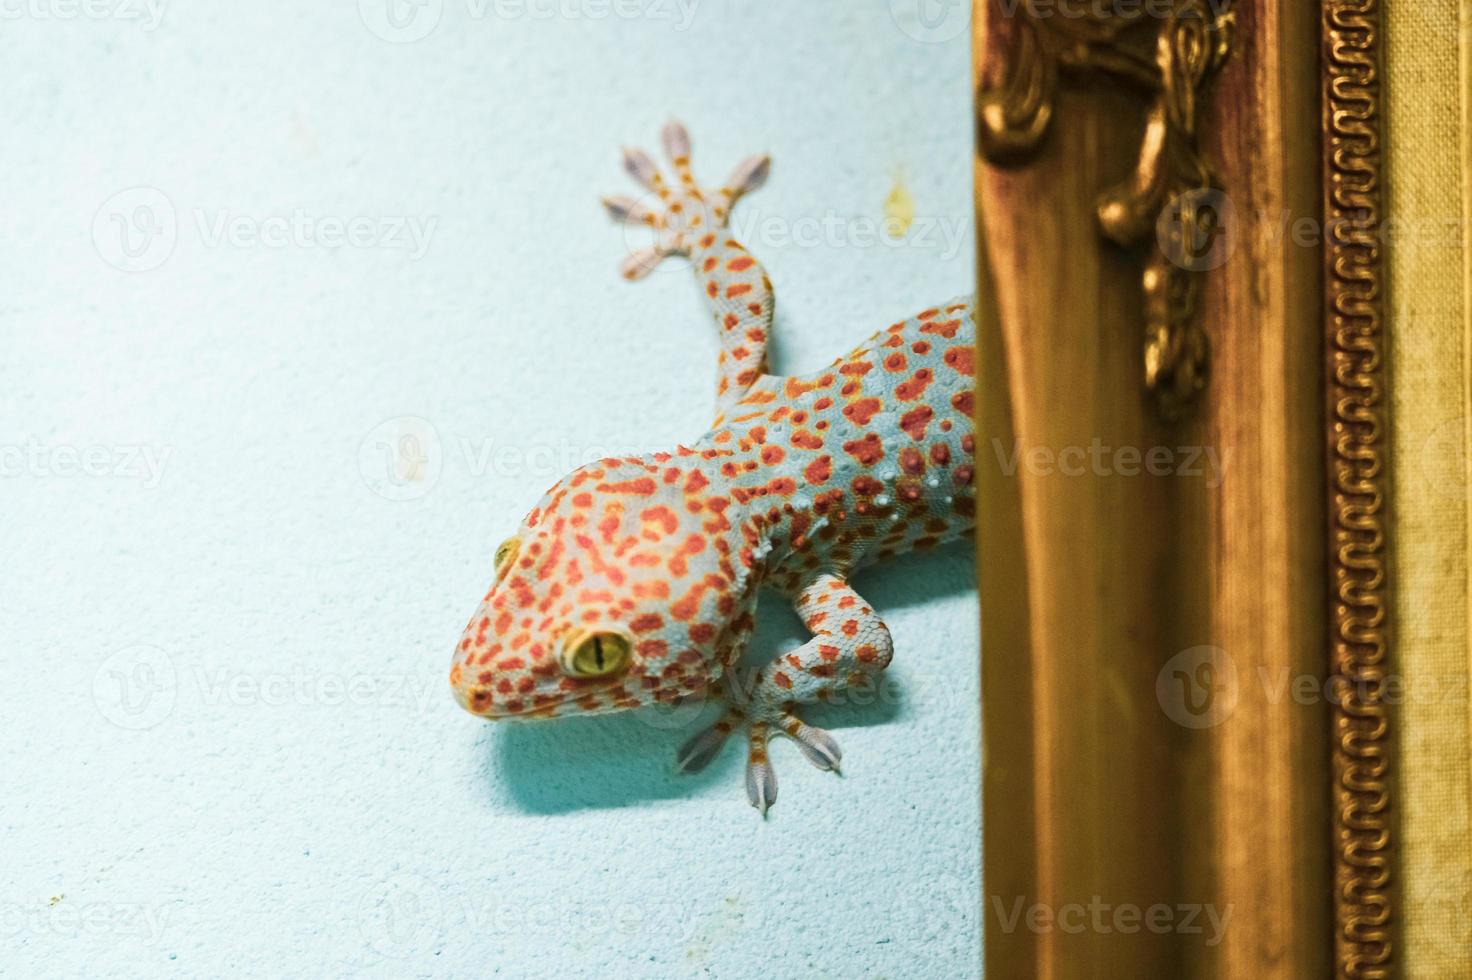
{"type": "Point", "coordinates": [1172, 189]}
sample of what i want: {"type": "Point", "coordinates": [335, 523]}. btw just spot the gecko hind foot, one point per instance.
{"type": "Point", "coordinates": [677, 211]}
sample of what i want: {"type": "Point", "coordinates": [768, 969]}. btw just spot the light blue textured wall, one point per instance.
{"type": "Point", "coordinates": [228, 743]}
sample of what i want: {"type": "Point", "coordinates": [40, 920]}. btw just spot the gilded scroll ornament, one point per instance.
{"type": "Point", "coordinates": [1172, 191]}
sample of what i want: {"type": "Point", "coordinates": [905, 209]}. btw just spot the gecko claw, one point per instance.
{"type": "Point", "coordinates": [749, 175]}
{"type": "Point", "coordinates": [697, 753]}
{"type": "Point", "coordinates": [637, 265]}
{"type": "Point", "coordinates": [642, 169]}
{"type": "Point", "coordinates": [676, 140]}
{"type": "Point", "coordinates": [816, 744]}
{"type": "Point", "coordinates": [761, 786]}
{"type": "Point", "coordinates": [631, 212]}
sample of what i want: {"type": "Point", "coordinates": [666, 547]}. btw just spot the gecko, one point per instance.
{"type": "Point", "coordinates": [634, 580]}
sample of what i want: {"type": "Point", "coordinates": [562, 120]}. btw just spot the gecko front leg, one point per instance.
{"type": "Point", "coordinates": [850, 646]}
{"type": "Point", "coordinates": [693, 222]}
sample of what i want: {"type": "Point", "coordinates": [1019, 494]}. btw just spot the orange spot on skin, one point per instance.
{"type": "Point", "coordinates": [915, 421]}
{"type": "Point", "coordinates": [940, 454]}
{"type": "Point", "coordinates": [772, 455]}
{"type": "Point", "coordinates": [946, 329]}
{"type": "Point", "coordinates": [796, 387]}
{"type": "Point", "coordinates": [819, 470]}
{"type": "Point", "coordinates": [856, 368]}
{"type": "Point", "coordinates": [642, 487]}
{"type": "Point", "coordinates": [804, 439]}
{"type": "Point", "coordinates": [960, 359]}
{"type": "Point", "coordinates": [911, 461]}
{"type": "Point", "coordinates": [662, 518]}
{"type": "Point", "coordinates": [863, 410]}
{"type": "Point", "coordinates": [741, 264]}
{"type": "Point", "coordinates": [783, 486]}
{"type": "Point", "coordinates": [964, 402]}
{"type": "Point", "coordinates": [738, 289]}
{"type": "Point", "coordinates": [868, 450]}
{"type": "Point", "coordinates": [908, 391]}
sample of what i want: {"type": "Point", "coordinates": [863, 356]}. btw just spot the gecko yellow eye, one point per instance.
{"type": "Point", "coordinates": [506, 552]}
{"type": "Point", "coordinates": [596, 655]}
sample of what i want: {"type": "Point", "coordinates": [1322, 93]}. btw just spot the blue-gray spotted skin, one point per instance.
{"type": "Point", "coordinates": [634, 580]}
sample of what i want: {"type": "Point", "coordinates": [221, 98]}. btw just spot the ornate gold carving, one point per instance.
{"type": "Point", "coordinates": [1172, 191]}
{"type": "Point", "coordinates": [1358, 475]}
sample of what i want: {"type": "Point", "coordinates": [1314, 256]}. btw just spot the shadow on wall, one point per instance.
{"type": "Point", "coordinates": [617, 760]}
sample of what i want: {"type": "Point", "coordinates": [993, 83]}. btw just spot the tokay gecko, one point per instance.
{"type": "Point", "coordinates": [634, 580]}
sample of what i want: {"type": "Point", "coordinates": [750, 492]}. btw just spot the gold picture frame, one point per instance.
{"type": "Point", "coordinates": [1147, 634]}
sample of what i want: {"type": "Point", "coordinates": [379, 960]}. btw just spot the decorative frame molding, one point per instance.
{"type": "Point", "coordinates": [1172, 192]}
{"type": "Point", "coordinates": [1284, 812]}
{"type": "Point", "coordinates": [1357, 387]}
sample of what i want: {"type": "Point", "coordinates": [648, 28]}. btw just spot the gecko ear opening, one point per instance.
{"type": "Point", "coordinates": [596, 654]}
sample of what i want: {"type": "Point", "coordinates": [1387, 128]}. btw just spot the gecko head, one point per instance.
{"type": "Point", "coordinates": [617, 591]}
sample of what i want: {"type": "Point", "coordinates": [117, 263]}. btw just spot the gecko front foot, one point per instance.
{"type": "Point", "coordinates": [850, 647]}
{"type": "Point", "coordinates": [766, 713]}
{"type": "Point", "coordinates": [683, 212]}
